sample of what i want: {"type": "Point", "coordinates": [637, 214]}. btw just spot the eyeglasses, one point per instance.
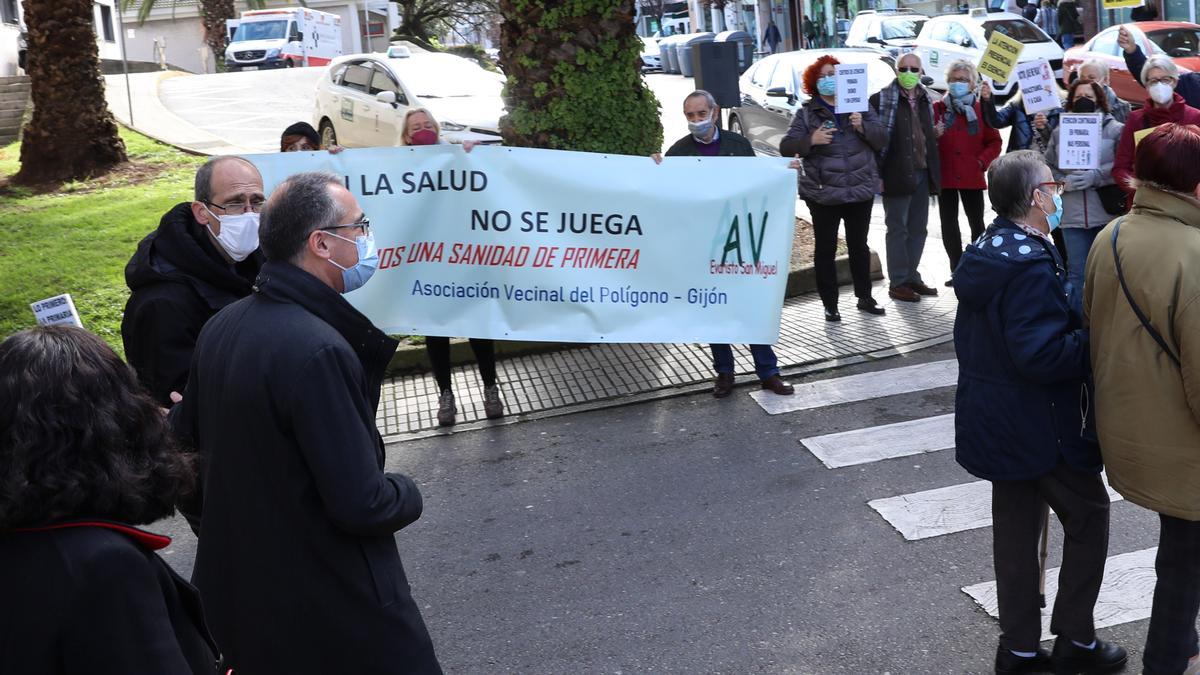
{"type": "Point", "coordinates": [908, 69]}
{"type": "Point", "coordinates": [1056, 187]}
{"type": "Point", "coordinates": [238, 208]}
{"type": "Point", "coordinates": [1168, 80]}
{"type": "Point", "coordinates": [364, 223]}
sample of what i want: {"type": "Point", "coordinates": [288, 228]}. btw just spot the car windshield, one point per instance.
{"type": "Point", "coordinates": [1177, 42]}
{"type": "Point", "coordinates": [1017, 29]}
{"type": "Point", "coordinates": [449, 79]}
{"type": "Point", "coordinates": [260, 30]}
{"type": "Point", "coordinates": [899, 29]}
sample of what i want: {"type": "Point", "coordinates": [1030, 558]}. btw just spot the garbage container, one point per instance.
{"type": "Point", "coordinates": [669, 54]}
{"type": "Point", "coordinates": [745, 46]}
{"type": "Point", "coordinates": [685, 50]}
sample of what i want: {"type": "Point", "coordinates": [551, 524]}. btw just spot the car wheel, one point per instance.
{"type": "Point", "coordinates": [328, 135]}
{"type": "Point", "coordinates": [735, 125]}
{"type": "Point", "coordinates": [289, 63]}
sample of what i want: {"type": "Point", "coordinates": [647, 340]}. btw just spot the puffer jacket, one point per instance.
{"type": "Point", "coordinates": [842, 172]}
{"type": "Point", "coordinates": [1147, 408]}
{"type": "Point", "coordinates": [1082, 208]}
{"type": "Point", "coordinates": [1022, 404]}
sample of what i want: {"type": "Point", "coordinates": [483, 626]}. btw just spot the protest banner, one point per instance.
{"type": "Point", "coordinates": [1039, 92]}
{"type": "Point", "coordinates": [1120, 4]}
{"type": "Point", "coordinates": [1000, 57]}
{"type": "Point", "coordinates": [852, 88]}
{"type": "Point", "coordinates": [542, 245]}
{"type": "Point", "coordinates": [57, 311]}
{"type": "Point", "coordinates": [1079, 140]}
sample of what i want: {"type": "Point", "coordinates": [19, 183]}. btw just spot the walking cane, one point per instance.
{"type": "Point", "coordinates": [1044, 551]}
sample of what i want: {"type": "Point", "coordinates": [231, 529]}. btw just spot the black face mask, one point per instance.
{"type": "Point", "coordinates": [1083, 105]}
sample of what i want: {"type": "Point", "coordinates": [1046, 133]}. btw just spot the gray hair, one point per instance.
{"type": "Point", "coordinates": [1011, 181]}
{"type": "Point", "coordinates": [1098, 65]}
{"type": "Point", "coordinates": [203, 191]}
{"type": "Point", "coordinates": [962, 64]}
{"type": "Point", "coordinates": [712, 102]}
{"type": "Point", "coordinates": [300, 205]}
{"type": "Point", "coordinates": [1163, 62]}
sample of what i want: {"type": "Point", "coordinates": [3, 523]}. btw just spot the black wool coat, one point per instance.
{"type": "Point", "coordinates": [297, 560]}
{"type": "Point", "coordinates": [178, 282]}
{"type": "Point", "coordinates": [96, 600]}
{"type": "Point", "coordinates": [729, 144]}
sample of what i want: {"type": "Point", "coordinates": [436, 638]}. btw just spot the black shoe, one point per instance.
{"type": "Point", "coordinates": [832, 314]}
{"type": "Point", "coordinates": [950, 283]}
{"type": "Point", "coordinates": [1069, 658]}
{"type": "Point", "coordinates": [1008, 662]}
{"type": "Point", "coordinates": [869, 306]}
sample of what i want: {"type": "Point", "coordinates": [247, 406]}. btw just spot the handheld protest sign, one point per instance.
{"type": "Point", "coordinates": [851, 88]}
{"type": "Point", "coordinates": [1039, 92]}
{"type": "Point", "coordinates": [1139, 135]}
{"type": "Point", "coordinates": [1120, 4]}
{"type": "Point", "coordinates": [56, 311]}
{"type": "Point", "coordinates": [1079, 140]}
{"type": "Point", "coordinates": [1000, 57]}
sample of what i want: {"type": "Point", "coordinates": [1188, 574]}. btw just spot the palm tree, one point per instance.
{"type": "Point", "coordinates": [213, 14]}
{"type": "Point", "coordinates": [72, 133]}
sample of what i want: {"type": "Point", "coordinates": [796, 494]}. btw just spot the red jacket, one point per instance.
{"type": "Point", "coordinates": [965, 158]}
{"type": "Point", "coordinates": [1144, 118]}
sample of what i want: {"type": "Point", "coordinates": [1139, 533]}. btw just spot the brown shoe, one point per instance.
{"type": "Point", "coordinates": [903, 294]}
{"type": "Point", "coordinates": [775, 384]}
{"type": "Point", "coordinates": [723, 386]}
{"type": "Point", "coordinates": [922, 289]}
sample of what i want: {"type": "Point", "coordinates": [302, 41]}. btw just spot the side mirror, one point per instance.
{"type": "Point", "coordinates": [778, 92]}
{"type": "Point", "coordinates": [874, 40]}
{"type": "Point", "coordinates": [296, 37]}
{"type": "Point", "coordinates": [927, 80]}
{"type": "Point", "coordinates": [966, 42]}
{"type": "Point", "coordinates": [388, 97]}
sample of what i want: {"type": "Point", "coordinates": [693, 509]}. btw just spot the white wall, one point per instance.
{"type": "Point", "coordinates": [108, 50]}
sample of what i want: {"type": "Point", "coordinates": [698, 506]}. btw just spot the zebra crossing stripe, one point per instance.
{"type": "Point", "coordinates": [946, 510]}
{"type": "Point", "coordinates": [861, 387]}
{"type": "Point", "coordinates": [1126, 593]}
{"type": "Point", "coordinates": [873, 444]}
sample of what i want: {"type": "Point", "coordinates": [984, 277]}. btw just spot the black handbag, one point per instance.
{"type": "Point", "coordinates": [1113, 199]}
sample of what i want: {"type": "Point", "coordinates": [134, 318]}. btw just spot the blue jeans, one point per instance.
{"type": "Point", "coordinates": [1068, 40]}
{"type": "Point", "coordinates": [907, 220]}
{"type": "Point", "coordinates": [765, 363]}
{"type": "Point", "coordinates": [1079, 242]}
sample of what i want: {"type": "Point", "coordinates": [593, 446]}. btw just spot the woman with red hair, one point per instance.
{"type": "Point", "coordinates": [1141, 296]}
{"type": "Point", "coordinates": [838, 177]}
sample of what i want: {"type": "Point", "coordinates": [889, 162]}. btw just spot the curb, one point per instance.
{"type": "Point", "coordinates": [412, 359]}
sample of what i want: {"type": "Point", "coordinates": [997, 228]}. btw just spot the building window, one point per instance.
{"type": "Point", "coordinates": [106, 23]}
{"type": "Point", "coordinates": [8, 11]}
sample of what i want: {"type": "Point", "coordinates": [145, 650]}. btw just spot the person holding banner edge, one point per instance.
{"type": "Point", "coordinates": [1188, 85]}
{"type": "Point", "coordinates": [836, 155]}
{"type": "Point", "coordinates": [707, 140]}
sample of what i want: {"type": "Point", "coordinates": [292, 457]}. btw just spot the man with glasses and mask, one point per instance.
{"type": "Point", "coordinates": [297, 562]}
{"type": "Point", "coordinates": [203, 256]}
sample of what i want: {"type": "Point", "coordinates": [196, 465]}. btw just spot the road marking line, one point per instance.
{"type": "Point", "coordinates": [946, 510]}
{"type": "Point", "coordinates": [861, 387]}
{"type": "Point", "coordinates": [1126, 593]}
{"type": "Point", "coordinates": [862, 446]}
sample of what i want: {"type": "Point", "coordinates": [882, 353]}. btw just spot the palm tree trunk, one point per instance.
{"type": "Point", "coordinates": [214, 14]}
{"type": "Point", "coordinates": [72, 133]}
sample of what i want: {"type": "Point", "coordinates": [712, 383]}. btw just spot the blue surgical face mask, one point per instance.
{"type": "Point", "coordinates": [827, 86]}
{"type": "Point", "coordinates": [357, 275]}
{"type": "Point", "coordinates": [959, 89]}
{"type": "Point", "coordinates": [1055, 218]}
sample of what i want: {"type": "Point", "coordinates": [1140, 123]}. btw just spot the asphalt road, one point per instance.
{"type": "Point", "coordinates": [691, 535]}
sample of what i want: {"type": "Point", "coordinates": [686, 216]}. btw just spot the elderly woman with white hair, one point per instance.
{"type": "Point", "coordinates": [967, 148]}
{"type": "Point", "coordinates": [1160, 76]}
{"type": "Point", "coordinates": [1095, 70]}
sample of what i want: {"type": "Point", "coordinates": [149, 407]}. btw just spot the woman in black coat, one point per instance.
{"type": "Point", "coordinates": [84, 455]}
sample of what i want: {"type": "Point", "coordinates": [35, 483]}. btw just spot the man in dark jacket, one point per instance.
{"type": "Point", "coordinates": [1023, 380]}
{"type": "Point", "coordinates": [1068, 22]}
{"type": "Point", "coordinates": [297, 562]}
{"type": "Point", "coordinates": [911, 173]}
{"type": "Point", "coordinates": [1135, 60]}
{"type": "Point", "coordinates": [203, 256]}
{"type": "Point", "coordinates": [707, 140]}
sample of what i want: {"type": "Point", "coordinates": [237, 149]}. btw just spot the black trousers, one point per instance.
{"type": "Point", "coordinates": [1172, 638]}
{"type": "Point", "coordinates": [857, 217]}
{"type": "Point", "coordinates": [439, 357]}
{"type": "Point", "coordinates": [1081, 504]}
{"type": "Point", "coordinates": [972, 201]}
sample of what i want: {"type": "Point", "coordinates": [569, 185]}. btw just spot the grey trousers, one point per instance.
{"type": "Point", "coordinates": [907, 219]}
{"type": "Point", "coordinates": [1081, 504]}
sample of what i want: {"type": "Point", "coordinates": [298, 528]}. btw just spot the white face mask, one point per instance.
{"type": "Point", "coordinates": [239, 234]}
{"type": "Point", "coordinates": [1161, 93]}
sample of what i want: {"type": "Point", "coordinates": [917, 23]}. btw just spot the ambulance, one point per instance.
{"type": "Point", "coordinates": [283, 38]}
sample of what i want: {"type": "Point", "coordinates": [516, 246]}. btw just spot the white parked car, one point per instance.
{"type": "Point", "coordinates": [651, 58]}
{"type": "Point", "coordinates": [945, 39]}
{"type": "Point", "coordinates": [362, 98]}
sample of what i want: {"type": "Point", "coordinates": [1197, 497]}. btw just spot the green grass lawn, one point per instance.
{"type": "Point", "coordinates": [77, 239]}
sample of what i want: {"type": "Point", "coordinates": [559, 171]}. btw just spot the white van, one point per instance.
{"type": "Point", "coordinates": [283, 38]}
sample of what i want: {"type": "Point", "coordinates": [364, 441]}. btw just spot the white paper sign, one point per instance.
{"type": "Point", "coordinates": [59, 310]}
{"type": "Point", "coordinates": [1079, 141]}
{"type": "Point", "coordinates": [1038, 89]}
{"type": "Point", "coordinates": [852, 90]}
